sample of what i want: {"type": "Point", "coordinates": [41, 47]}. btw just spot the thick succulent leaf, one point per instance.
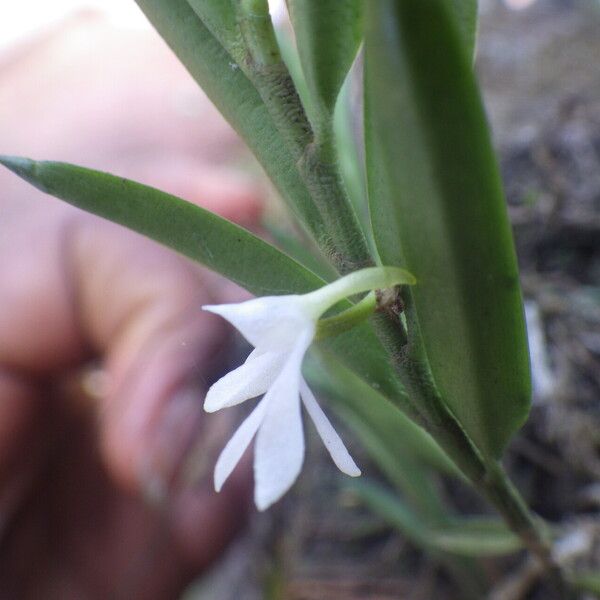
{"type": "Point", "coordinates": [235, 96]}
{"type": "Point", "coordinates": [466, 14]}
{"type": "Point", "coordinates": [328, 33]}
{"type": "Point", "coordinates": [438, 210]}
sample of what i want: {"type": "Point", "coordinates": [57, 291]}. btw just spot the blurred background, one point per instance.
{"type": "Point", "coordinates": [70, 73]}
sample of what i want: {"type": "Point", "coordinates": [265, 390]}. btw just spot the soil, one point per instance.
{"type": "Point", "coordinates": [540, 73]}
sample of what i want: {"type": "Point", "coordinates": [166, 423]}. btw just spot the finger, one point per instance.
{"type": "Point", "coordinates": [103, 290]}
{"type": "Point", "coordinates": [142, 308]}
{"type": "Point", "coordinates": [45, 310]}
{"type": "Point", "coordinates": [37, 336]}
{"type": "Point", "coordinates": [22, 441]}
{"type": "Point", "coordinates": [72, 287]}
{"type": "Point", "coordinates": [161, 347]}
{"type": "Point", "coordinates": [203, 522]}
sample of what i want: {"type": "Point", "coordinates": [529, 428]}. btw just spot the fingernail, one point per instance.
{"type": "Point", "coordinates": [169, 443]}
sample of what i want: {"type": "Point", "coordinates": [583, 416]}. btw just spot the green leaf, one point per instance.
{"type": "Point", "coordinates": [197, 233]}
{"type": "Point", "coordinates": [466, 14]}
{"type": "Point", "coordinates": [476, 537]}
{"type": "Point", "coordinates": [328, 33]}
{"type": "Point", "coordinates": [350, 156]}
{"type": "Point", "coordinates": [299, 249]}
{"type": "Point", "coordinates": [393, 428]}
{"type": "Point", "coordinates": [220, 19]}
{"type": "Point", "coordinates": [236, 97]}
{"type": "Point", "coordinates": [362, 352]}
{"type": "Point", "coordinates": [587, 582]}
{"type": "Point", "coordinates": [438, 209]}
{"type": "Point", "coordinates": [466, 537]}
{"type": "Point", "coordinates": [404, 452]}
{"type": "Point", "coordinates": [289, 53]}
{"type": "Point", "coordinates": [267, 113]}
{"type": "Point", "coordinates": [392, 509]}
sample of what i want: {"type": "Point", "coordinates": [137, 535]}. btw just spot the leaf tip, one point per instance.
{"type": "Point", "coordinates": [23, 167]}
{"type": "Point", "coordinates": [17, 164]}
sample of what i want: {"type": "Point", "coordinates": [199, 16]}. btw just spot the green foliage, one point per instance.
{"type": "Point", "coordinates": [197, 233]}
{"type": "Point", "coordinates": [240, 68]}
{"type": "Point", "coordinates": [328, 33]}
{"type": "Point", "coordinates": [404, 452]}
{"type": "Point", "coordinates": [475, 537]}
{"type": "Point", "coordinates": [350, 155]}
{"type": "Point", "coordinates": [437, 208]}
{"type": "Point", "coordinates": [298, 248]}
{"type": "Point", "coordinates": [587, 582]}
{"type": "Point", "coordinates": [224, 82]}
{"type": "Point", "coordinates": [466, 14]}
{"type": "Point", "coordinates": [401, 436]}
{"type": "Point", "coordinates": [469, 537]}
{"type": "Point", "coordinates": [219, 17]}
{"type": "Point", "coordinates": [393, 510]}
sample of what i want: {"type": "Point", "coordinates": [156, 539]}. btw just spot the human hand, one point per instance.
{"type": "Point", "coordinates": [76, 472]}
{"type": "Point", "coordinates": [109, 495]}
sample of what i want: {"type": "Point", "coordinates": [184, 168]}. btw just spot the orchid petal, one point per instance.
{"type": "Point", "coordinates": [279, 450]}
{"type": "Point", "coordinates": [235, 448]}
{"type": "Point", "coordinates": [270, 322]}
{"type": "Point", "coordinates": [251, 379]}
{"type": "Point", "coordinates": [333, 442]}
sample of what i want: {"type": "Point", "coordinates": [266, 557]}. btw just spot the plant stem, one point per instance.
{"type": "Point", "coordinates": [501, 492]}
{"type": "Point", "coordinates": [506, 498]}
{"type": "Point", "coordinates": [339, 236]}
{"type": "Point", "coordinates": [486, 475]}
{"type": "Point", "coordinates": [346, 246]}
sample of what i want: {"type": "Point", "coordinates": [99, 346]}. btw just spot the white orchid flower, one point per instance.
{"type": "Point", "coordinates": [281, 329]}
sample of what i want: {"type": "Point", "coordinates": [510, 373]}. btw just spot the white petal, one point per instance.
{"type": "Point", "coordinates": [231, 454]}
{"type": "Point", "coordinates": [340, 455]}
{"type": "Point", "coordinates": [279, 450]}
{"type": "Point", "coordinates": [251, 379]}
{"type": "Point", "coordinates": [272, 322]}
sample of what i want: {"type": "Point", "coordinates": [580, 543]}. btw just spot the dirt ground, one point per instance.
{"type": "Point", "coordinates": [540, 72]}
